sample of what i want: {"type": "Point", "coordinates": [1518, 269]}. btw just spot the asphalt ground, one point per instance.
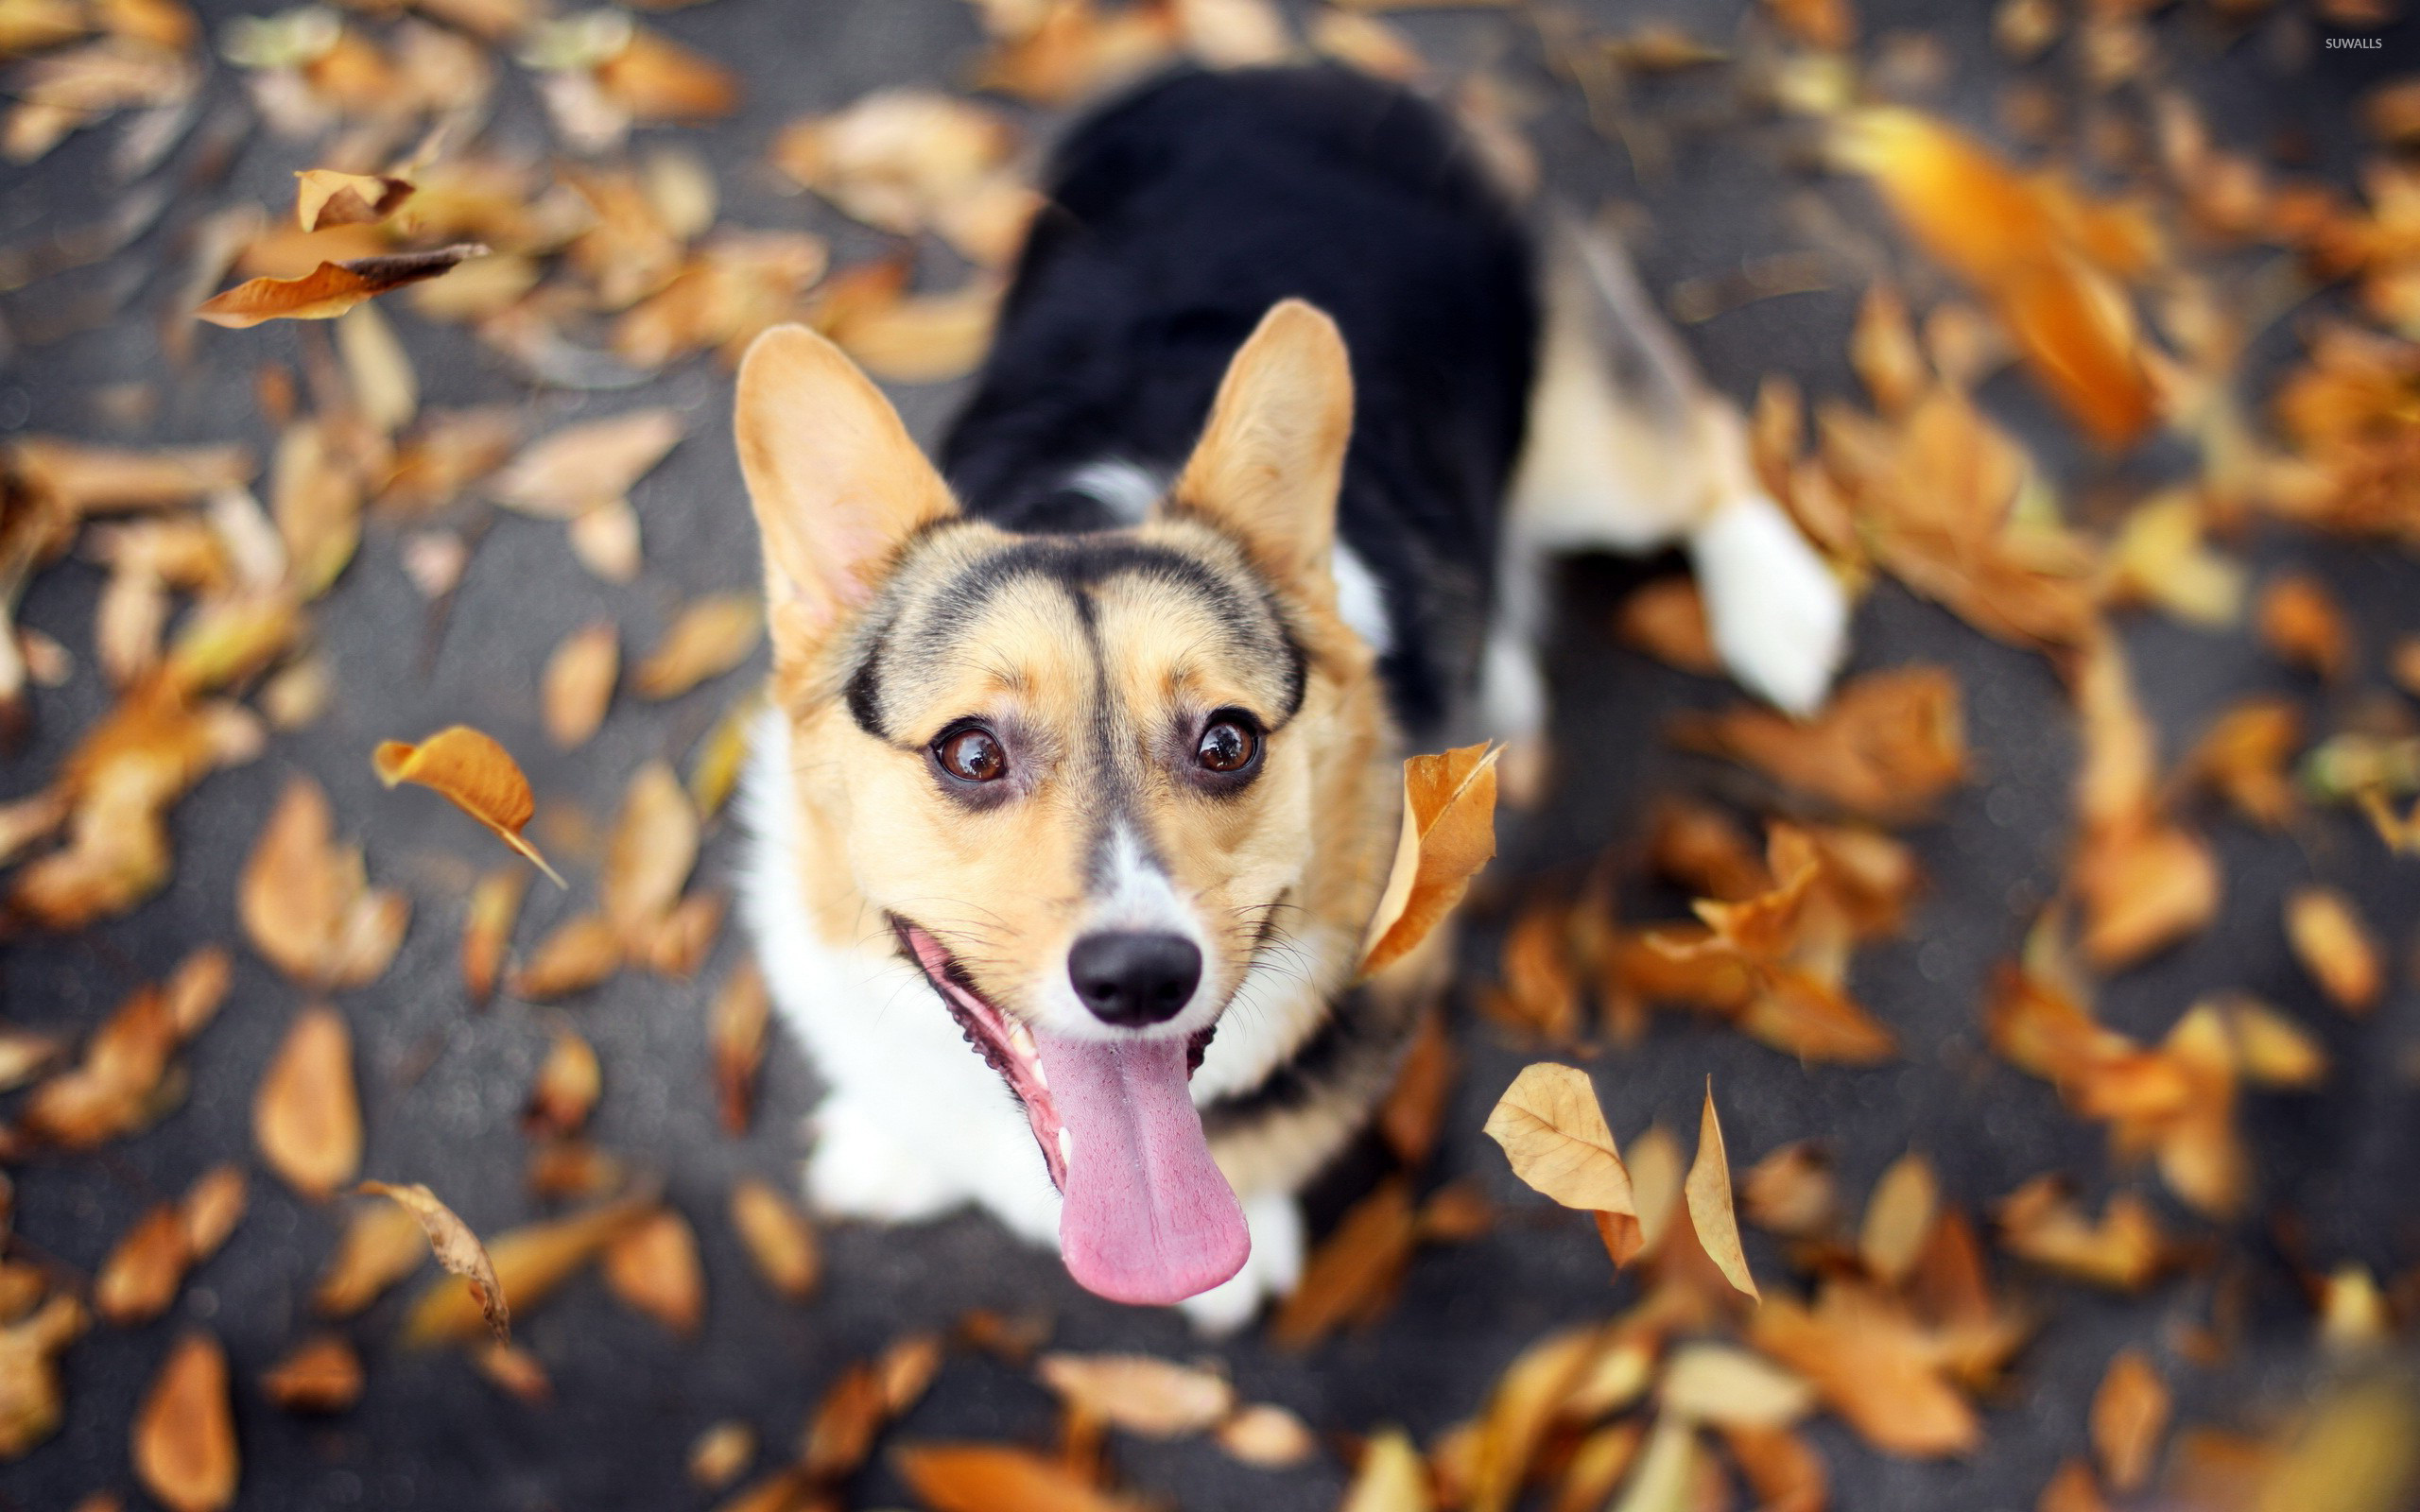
{"type": "Point", "coordinates": [443, 1086]}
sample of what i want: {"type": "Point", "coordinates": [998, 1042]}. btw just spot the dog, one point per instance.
{"type": "Point", "coordinates": [1080, 779]}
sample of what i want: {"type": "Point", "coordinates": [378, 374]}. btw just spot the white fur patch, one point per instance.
{"type": "Point", "coordinates": [1127, 490]}
{"type": "Point", "coordinates": [1777, 615]}
{"type": "Point", "coordinates": [1361, 601]}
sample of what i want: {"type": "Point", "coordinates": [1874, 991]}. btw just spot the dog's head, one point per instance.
{"type": "Point", "coordinates": [1091, 782]}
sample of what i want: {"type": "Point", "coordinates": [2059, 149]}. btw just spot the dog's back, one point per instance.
{"type": "Point", "coordinates": [1177, 217]}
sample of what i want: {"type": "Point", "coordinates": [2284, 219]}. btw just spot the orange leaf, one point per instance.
{"type": "Point", "coordinates": [1708, 1193]}
{"type": "Point", "coordinates": [329, 289]}
{"type": "Point", "coordinates": [995, 1478]}
{"type": "Point", "coordinates": [184, 1433]}
{"type": "Point", "coordinates": [1554, 1134]}
{"type": "Point", "coordinates": [307, 1116]}
{"type": "Point", "coordinates": [479, 777]}
{"type": "Point", "coordinates": [1448, 833]}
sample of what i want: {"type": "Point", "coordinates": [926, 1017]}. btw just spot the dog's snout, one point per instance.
{"type": "Point", "coordinates": [1131, 978]}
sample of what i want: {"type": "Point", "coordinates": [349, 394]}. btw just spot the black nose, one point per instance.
{"type": "Point", "coordinates": [1134, 979]}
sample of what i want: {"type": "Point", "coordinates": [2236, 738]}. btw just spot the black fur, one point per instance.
{"type": "Point", "coordinates": [1177, 216]}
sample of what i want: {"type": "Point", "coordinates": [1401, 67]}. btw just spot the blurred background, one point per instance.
{"type": "Point", "coordinates": [2071, 1129]}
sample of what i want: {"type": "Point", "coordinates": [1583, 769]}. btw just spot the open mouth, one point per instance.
{"type": "Point", "coordinates": [1147, 1217]}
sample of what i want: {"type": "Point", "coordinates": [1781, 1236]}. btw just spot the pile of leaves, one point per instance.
{"type": "Point", "coordinates": [2122, 273]}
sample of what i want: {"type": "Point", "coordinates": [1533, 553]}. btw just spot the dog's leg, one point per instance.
{"type": "Point", "coordinates": [1276, 1263]}
{"type": "Point", "coordinates": [1629, 450]}
{"type": "Point", "coordinates": [859, 1169]}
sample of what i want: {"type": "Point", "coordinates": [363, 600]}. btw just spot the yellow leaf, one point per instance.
{"type": "Point", "coordinates": [475, 774]}
{"type": "Point", "coordinates": [1899, 1219]}
{"type": "Point", "coordinates": [1554, 1134]}
{"type": "Point", "coordinates": [1138, 1393]}
{"type": "Point", "coordinates": [1708, 1193]}
{"type": "Point", "coordinates": [1391, 1477]}
{"type": "Point", "coordinates": [307, 1116]}
{"type": "Point", "coordinates": [1448, 833]}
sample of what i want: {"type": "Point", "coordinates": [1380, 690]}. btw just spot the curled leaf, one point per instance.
{"type": "Point", "coordinates": [456, 1248]}
{"type": "Point", "coordinates": [329, 289]}
{"type": "Point", "coordinates": [1448, 833]}
{"type": "Point", "coordinates": [323, 196]}
{"type": "Point", "coordinates": [1707, 1191]}
{"type": "Point", "coordinates": [477, 775]}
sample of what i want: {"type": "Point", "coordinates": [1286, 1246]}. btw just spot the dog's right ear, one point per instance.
{"type": "Point", "coordinates": [837, 484]}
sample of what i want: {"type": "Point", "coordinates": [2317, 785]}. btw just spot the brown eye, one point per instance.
{"type": "Point", "coordinates": [1227, 745]}
{"type": "Point", "coordinates": [971, 755]}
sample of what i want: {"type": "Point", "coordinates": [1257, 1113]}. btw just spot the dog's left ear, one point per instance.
{"type": "Point", "coordinates": [1272, 457]}
{"type": "Point", "coordinates": [838, 483]}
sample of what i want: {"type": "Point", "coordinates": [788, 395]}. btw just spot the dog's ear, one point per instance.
{"type": "Point", "coordinates": [1272, 457]}
{"type": "Point", "coordinates": [837, 484]}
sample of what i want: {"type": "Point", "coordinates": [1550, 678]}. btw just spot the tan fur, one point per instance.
{"type": "Point", "coordinates": [841, 498]}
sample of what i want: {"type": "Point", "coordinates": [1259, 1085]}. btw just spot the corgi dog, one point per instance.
{"type": "Point", "coordinates": [1080, 780]}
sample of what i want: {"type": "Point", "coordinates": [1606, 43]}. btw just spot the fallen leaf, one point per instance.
{"type": "Point", "coordinates": [1520, 1409]}
{"type": "Point", "coordinates": [1265, 1436]}
{"type": "Point", "coordinates": [1899, 1219]}
{"type": "Point", "coordinates": [514, 1371]}
{"type": "Point", "coordinates": [710, 636]}
{"type": "Point", "coordinates": [2302, 625]}
{"type": "Point", "coordinates": [1781, 1467]}
{"type": "Point", "coordinates": [1352, 1274]}
{"type": "Point", "coordinates": [1708, 1193]}
{"type": "Point", "coordinates": [140, 1278]}
{"type": "Point", "coordinates": [1448, 833]}
{"type": "Point", "coordinates": [1413, 1113]}
{"type": "Point", "coordinates": [737, 1020]}
{"type": "Point", "coordinates": [1791, 1192]}
{"type": "Point", "coordinates": [574, 470]}
{"type": "Point", "coordinates": [1728, 1387]}
{"type": "Point", "coordinates": [479, 777]}
{"type": "Point", "coordinates": [652, 1267]}
{"type": "Point", "coordinates": [329, 289]}
{"type": "Point", "coordinates": [458, 1250]}
{"type": "Point", "coordinates": [1887, 746]}
{"type": "Point", "coordinates": [2072, 1490]}
{"type": "Point", "coordinates": [31, 1404]}
{"type": "Point", "coordinates": [995, 1478]}
{"type": "Point", "coordinates": [1138, 1393]}
{"type": "Point", "coordinates": [1554, 1134]}
{"type": "Point", "coordinates": [1391, 1477]}
{"type": "Point", "coordinates": [2129, 1414]}
{"type": "Point", "coordinates": [2124, 1251]}
{"type": "Point", "coordinates": [307, 1116]}
{"type": "Point", "coordinates": [2329, 939]}
{"type": "Point", "coordinates": [487, 927]}
{"type": "Point", "coordinates": [1874, 1366]}
{"type": "Point", "coordinates": [653, 848]}
{"type": "Point", "coordinates": [897, 157]}
{"type": "Point", "coordinates": [780, 1242]}
{"type": "Point", "coordinates": [1666, 619]}
{"type": "Point", "coordinates": [721, 1453]}
{"type": "Point", "coordinates": [581, 952]}
{"type": "Point", "coordinates": [567, 1088]}
{"type": "Point", "coordinates": [183, 1435]}
{"type": "Point", "coordinates": [2245, 755]}
{"type": "Point", "coordinates": [382, 1242]}
{"type": "Point", "coordinates": [322, 1374]}
{"type": "Point", "coordinates": [323, 196]}
{"type": "Point", "coordinates": [304, 902]}
{"type": "Point", "coordinates": [578, 686]}
{"type": "Point", "coordinates": [924, 338]}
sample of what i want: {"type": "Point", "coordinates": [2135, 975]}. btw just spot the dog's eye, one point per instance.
{"type": "Point", "coordinates": [1228, 746]}
{"type": "Point", "coordinates": [971, 755]}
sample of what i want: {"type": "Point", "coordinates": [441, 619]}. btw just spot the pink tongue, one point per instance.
{"type": "Point", "coordinates": [1148, 1216]}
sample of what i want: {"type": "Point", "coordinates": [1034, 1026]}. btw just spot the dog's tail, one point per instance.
{"type": "Point", "coordinates": [1629, 450]}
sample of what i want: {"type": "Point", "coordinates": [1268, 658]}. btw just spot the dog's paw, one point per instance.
{"type": "Point", "coordinates": [1777, 615]}
{"type": "Point", "coordinates": [1272, 1269]}
{"type": "Point", "coordinates": [859, 1169]}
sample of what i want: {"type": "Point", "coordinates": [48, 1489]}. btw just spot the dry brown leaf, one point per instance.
{"type": "Point", "coordinates": [1554, 1135]}
{"type": "Point", "coordinates": [1781, 1467]}
{"type": "Point", "coordinates": [1448, 833]}
{"type": "Point", "coordinates": [578, 686]}
{"type": "Point", "coordinates": [1391, 1477]}
{"type": "Point", "coordinates": [654, 78]}
{"type": "Point", "coordinates": [1874, 1366]}
{"type": "Point", "coordinates": [736, 1024]}
{"type": "Point", "coordinates": [1413, 1113]}
{"type": "Point", "coordinates": [581, 952]}
{"type": "Point", "coordinates": [1708, 1193]}
{"type": "Point", "coordinates": [1791, 1192]}
{"type": "Point", "coordinates": [304, 903]}
{"type": "Point", "coordinates": [574, 470]}
{"type": "Point", "coordinates": [653, 848]}
{"type": "Point", "coordinates": [711, 636]}
{"type": "Point", "coordinates": [183, 1435]}
{"type": "Point", "coordinates": [1353, 1274]}
{"type": "Point", "coordinates": [514, 1371]}
{"type": "Point", "coordinates": [1520, 1409]}
{"type": "Point", "coordinates": [1899, 1219]}
{"type": "Point", "coordinates": [381, 1245]}
{"type": "Point", "coordinates": [323, 196]}
{"type": "Point", "coordinates": [682, 939]}
{"type": "Point", "coordinates": [307, 1116]}
{"type": "Point", "coordinates": [1887, 747]}
{"type": "Point", "coordinates": [121, 1083]}
{"type": "Point", "coordinates": [2129, 1414]}
{"type": "Point", "coordinates": [468, 769]}
{"type": "Point", "coordinates": [715, 766]}
{"type": "Point", "coordinates": [139, 1279]}
{"type": "Point", "coordinates": [487, 927]}
{"type": "Point", "coordinates": [1138, 1393]}
{"type": "Point", "coordinates": [1666, 619]}
{"type": "Point", "coordinates": [31, 1404]}
{"type": "Point", "coordinates": [1724, 1386]}
{"type": "Point", "coordinates": [456, 1249]}
{"type": "Point", "coordinates": [529, 1263]}
{"type": "Point", "coordinates": [2245, 755]}
{"type": "Point", "coordinates": [923, 338]}
{"type": "Point", "coordinates": [780, 1242]}
{"type": "Point", "coordinates": [721, 1451]}
{"type": "Point", "coordinates": [1267, 1437]}
{"type": "Point", "coordinates": [996, 1478]}
{"type": "Point", "coordinates": [322, 1374]}
{"type": "Point", "coordinates": [2145, 882]}
{"type": "Point", "coordinates": [2330, 940]}
{"type": "Point", "coordinates": [654, 1268]}
{"type": "Point", "coordinates": [566, 1090]}
{"type": "Point", "coordinates": [332, 289]}
{"type": "Point", "coordinates": [2302, 625]}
